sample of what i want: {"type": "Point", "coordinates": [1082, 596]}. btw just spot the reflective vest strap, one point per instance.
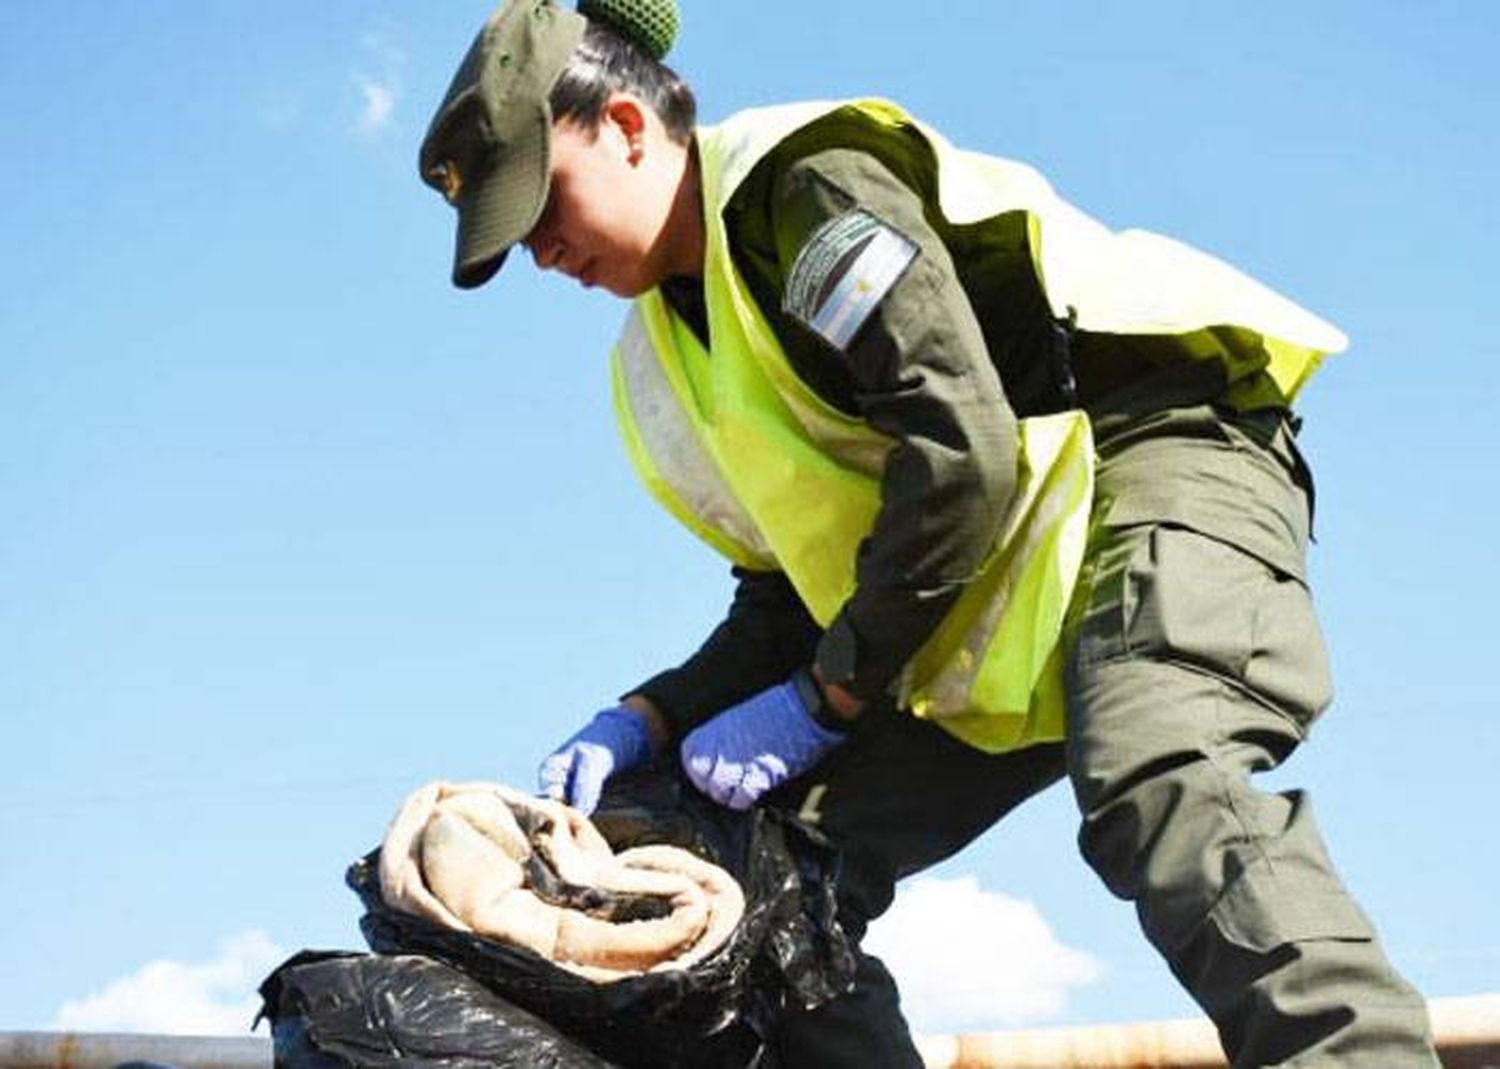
{"type": "Point", "coordinates": [989, 656]}
{"type": "Point", "coordinates": [667, 451]}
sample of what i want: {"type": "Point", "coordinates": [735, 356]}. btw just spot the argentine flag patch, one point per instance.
{"type": "Point", "coordinates": [843, 273]}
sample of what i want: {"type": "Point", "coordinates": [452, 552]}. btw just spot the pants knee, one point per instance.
{"type": "Point", "coordinates": [1153, 833]}
{"type": "Point", "coordinates": [1196, 848]}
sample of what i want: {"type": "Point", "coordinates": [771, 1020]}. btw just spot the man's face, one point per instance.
{"type": "Point", "coordinates": [607, 210]}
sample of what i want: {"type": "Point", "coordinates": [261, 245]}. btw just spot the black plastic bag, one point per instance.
{"type": "Point", "coordinates": [337, 1010]}
{"type": "Point", "coordinates": [787, 949]}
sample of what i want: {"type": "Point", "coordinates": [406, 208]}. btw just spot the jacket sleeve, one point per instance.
{"type": "Point", "coordinates": [766, 635]}
{"type": "Point", "coordinates": [917, 370]}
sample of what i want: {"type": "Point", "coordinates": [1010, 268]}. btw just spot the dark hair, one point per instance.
{"type": "Point", "coordinates": [605, 62]}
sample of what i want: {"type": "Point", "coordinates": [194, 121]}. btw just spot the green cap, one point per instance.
{"type": "Point", "coordinates": [487, 148]}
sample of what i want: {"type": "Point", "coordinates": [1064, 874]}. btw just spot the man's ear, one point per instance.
{"type": "Point", "coordinates": [626, 113]}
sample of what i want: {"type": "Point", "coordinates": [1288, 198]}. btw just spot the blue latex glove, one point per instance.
{"type": "Point", "coordinates": [616, 739]}
{"type": "Point", "coordinates": [755, 746]}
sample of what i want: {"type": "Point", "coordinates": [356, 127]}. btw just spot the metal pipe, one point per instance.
{"type": "Point", "coordinates": [1467, 1031]}
{"type": "Point", "coordinates": [104, 1050]}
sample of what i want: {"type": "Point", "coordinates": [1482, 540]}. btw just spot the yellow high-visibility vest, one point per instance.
{"type": "Point", "coordinates": [745, 454]}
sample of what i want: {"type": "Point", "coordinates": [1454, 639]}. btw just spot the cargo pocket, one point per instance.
{"type": "Point", "coordinates": [1191, 599]}
{"type": "Point", "coordinates": [1288, 666]}
{"type": "Point", "coordinates": [1261, 918]}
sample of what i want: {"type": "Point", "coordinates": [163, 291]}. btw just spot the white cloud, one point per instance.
{"type": "Point", "coordinates": [967, 959]}
{"type": "Point", "coordinates": [378, 100]}
{"type": "Point", "coordinates": [214, 997]}
{"type": "Point", "coordinates": [379, 92]}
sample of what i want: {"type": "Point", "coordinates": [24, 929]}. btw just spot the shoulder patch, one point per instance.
{"type": "Point", "coordinates": [843, 272]}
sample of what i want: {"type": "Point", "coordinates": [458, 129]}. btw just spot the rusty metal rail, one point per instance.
{"type": "Point", "coordinates": [105, 1050]}
{"type": "Point", "coordinates": [1467, 1030]}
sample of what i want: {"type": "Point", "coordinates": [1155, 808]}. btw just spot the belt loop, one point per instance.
{"type": "Point", "coordinates": [1062, 357]}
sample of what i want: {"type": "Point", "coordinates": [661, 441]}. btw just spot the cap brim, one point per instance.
{"type": "Point", "coordinates": [500, 208]}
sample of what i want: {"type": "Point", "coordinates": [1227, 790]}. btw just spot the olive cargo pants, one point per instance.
{"type": "Point", "coordinates": [1196, 661]}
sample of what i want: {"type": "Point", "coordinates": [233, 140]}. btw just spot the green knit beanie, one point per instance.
{"type": "Point", "coordinates": [652, 24]}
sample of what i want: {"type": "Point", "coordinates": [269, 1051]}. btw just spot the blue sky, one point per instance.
{"type": "Point", "coordinates": [292, 526]}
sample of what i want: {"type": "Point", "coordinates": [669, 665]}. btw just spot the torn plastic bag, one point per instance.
{"type": "Point", "coordinates": [337, 1010]}
{"type": "Point", "coordinates": [788, 949]}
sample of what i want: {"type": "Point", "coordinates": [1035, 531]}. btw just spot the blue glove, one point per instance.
{"type": "Point", "coordinates": [754, 746]}
{"type": "Point", "coordinates": [616, 739]}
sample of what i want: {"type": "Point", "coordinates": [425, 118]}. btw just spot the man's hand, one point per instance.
{"type": "Point", "coordinates": [755, 746]}
{"type": "Point", "coordinates": [615, 740]}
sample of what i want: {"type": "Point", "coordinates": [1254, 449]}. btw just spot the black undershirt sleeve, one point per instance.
{"type": "Point", "coordinates": [766, 635]}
